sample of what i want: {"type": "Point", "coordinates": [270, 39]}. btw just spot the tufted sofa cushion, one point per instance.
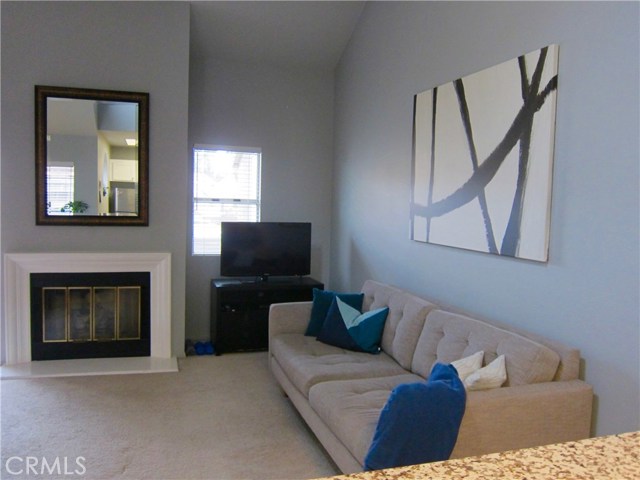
{"type": "Point", "coordinates": [351, 408]}
{"type": "Point", "coordinates": [449, 336]}
{"type": "Point", "coordinates": [405, 320]}
{"type": "Point", "coordinates": [308, 361]}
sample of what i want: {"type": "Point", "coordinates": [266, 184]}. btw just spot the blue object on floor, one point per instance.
{"type": "Point", "coordinates": [204, 348]}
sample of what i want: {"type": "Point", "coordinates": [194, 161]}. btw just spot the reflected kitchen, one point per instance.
{"type": "Point", "coordinates": [92, 157]}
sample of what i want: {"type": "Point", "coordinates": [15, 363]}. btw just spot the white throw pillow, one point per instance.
{"type": "Point", "coordinates": [491, 376]}
{"type": "Point", "coordinates": [467, 365]}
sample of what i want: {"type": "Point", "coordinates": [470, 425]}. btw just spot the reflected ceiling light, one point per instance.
{"type": "Point", "coordinates": [132, 142]}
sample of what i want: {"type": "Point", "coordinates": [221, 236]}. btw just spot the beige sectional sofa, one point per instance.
{"type": "Point", "coordinates": [340, 393]}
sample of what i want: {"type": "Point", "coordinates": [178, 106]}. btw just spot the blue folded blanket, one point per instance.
{"type": "Point", "coordinates": [420, 421]}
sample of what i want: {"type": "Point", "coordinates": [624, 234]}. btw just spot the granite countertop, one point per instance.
{"type": "Point", "coordinates": [614, 457]}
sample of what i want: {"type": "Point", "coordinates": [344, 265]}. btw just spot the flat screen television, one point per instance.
{"type": "Point", "coordinates": [263, 249]}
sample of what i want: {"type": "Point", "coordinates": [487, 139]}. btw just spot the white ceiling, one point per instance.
{"type": "Point", "coordinates": [303, 34]}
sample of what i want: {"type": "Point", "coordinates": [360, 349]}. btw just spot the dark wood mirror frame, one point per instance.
{"type": "Point", "coordinates": [42, 93]}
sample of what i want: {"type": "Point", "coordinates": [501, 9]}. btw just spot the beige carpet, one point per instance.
{"type": "Point", "coordinates": [218, 418]}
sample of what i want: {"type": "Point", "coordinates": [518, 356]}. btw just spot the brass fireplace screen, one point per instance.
{"type": "Point", "coordinates": [85, 314]}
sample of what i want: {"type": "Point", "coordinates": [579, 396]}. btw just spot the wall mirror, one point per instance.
{"type": "Point", "coordinates": [92, 157]}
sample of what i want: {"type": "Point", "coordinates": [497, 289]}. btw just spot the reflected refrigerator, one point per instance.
{"type": "Point", "coordinates": [123, 201]}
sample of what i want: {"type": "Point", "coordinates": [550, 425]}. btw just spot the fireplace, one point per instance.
{"type": "Point", "coordinates": [18, 268]}
{"type": "Point", "coordinates": [89, 315]}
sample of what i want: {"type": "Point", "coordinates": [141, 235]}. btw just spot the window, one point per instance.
{"type": "Point", "coordinates": [59, 187]}
{"type": "Point", "coordinates": [226, 188]}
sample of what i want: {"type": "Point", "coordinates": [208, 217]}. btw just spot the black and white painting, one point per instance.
{"type": "Point", "coordinates": [483, 158]}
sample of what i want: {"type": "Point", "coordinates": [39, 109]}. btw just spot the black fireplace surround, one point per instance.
{"type": "Point", "coordinates": [90, 315]}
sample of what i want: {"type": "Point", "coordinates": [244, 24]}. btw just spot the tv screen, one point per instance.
{"type": "Point", "coordinates": [261, 249]}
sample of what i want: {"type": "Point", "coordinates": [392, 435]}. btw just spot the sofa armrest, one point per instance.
{"type": "Point", "coordinates": [524, 416]}
{"type": "Point", "coordinates": [292, 317]}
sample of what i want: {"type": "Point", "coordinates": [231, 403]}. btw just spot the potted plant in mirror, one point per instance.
{"type": "Point", "coordinates": [76, 206]}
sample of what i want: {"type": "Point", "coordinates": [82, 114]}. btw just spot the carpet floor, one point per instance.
{"type": "Point", "coordinates": [218, 418]}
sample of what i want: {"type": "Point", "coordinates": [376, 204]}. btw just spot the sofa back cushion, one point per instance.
{"type": "Point", "coordinates": [405, 319]}
{"type": "Point", "coordinates": [448, 336]}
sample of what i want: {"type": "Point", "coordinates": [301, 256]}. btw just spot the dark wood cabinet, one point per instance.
{"type": "Point", "coordinates": [240, 309]}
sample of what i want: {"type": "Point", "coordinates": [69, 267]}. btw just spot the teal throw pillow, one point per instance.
{"type": "Point", "coordinates": [346, 327]}
{"type": "Point", "coordinates": [322, 300]}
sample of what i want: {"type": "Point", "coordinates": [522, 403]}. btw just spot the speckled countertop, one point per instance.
{"type": "Point", "coordinates": [614, 457]}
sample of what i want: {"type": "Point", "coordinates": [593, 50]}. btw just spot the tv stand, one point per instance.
{"type": "Point", "coordinates": [240, 308]}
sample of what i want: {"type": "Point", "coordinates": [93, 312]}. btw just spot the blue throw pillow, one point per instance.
{"type": "Point", "coordinates": [346, 327]}
{"type": "Point", "coordinates": [322, 300]}
{"type": "Point", "coordinates": [420, 421]}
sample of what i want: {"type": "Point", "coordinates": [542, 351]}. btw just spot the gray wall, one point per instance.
{"type": "Point", "coordinates": [587, 294]}
{"type": "Point", "coordinates": [134, 46]}
{"type": "Point", "coordinates": [289, 114]}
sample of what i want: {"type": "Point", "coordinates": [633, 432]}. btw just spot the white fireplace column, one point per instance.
{"type": "Point", "coordinates": [17, 284]}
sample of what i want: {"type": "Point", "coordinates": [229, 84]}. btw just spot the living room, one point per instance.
{"type": "Point", "coordinates": [336, 148]}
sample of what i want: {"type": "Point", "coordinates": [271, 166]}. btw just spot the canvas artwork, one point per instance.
{"type": "Point", "coordinates": [483, 159]}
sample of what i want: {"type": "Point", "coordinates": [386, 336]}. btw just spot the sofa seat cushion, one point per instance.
{"type": "Point", "coordinates": [307, 361]}
{"type": "Point", "coordinates": [351, 408]}
{"type": "Point", "coordinates": [448, 336]}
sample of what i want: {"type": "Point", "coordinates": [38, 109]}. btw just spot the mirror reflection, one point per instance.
{"type": "Point", "coordinates": [91, 156]}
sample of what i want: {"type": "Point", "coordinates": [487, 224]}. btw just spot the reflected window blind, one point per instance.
{"type": "Point", "coordinates": [226, 188]}
{"type": "Point", "coordinates": [59, 187]}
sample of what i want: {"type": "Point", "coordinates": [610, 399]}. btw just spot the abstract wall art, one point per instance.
{"type": "Point", "coordinates": [483, 159]}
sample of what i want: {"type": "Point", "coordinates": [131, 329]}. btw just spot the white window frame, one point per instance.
{"type": "Point", "coordinates": [199, 242]}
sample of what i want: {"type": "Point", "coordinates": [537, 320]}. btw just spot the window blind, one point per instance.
{"type": "Point", "coordinates": [226, 188]}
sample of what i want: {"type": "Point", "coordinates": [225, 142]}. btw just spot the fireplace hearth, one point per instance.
{"type": "Point", "coordinates": [90, 315]}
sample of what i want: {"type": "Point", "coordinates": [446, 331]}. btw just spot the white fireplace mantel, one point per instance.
{"type": "Point", "coordinates": [19, 266]}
